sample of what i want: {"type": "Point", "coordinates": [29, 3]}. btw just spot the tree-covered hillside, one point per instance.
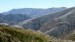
{"type": "Point", "coordinates": [13, 18]}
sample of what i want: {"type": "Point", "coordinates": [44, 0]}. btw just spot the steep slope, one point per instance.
{"type": "Point", "coordinates": [12, 34]}
{"type": "Point", "coordinates": [32, 12]}
{"type": "Point", "coordinates": [36, 23]}
{"type": "Point", "coordinates": [70, 36]}
{"type": "Point", "coordinates": [60, 26]}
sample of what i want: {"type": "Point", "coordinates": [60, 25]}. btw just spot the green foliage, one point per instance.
{"type": "Point", "coordinates": [12, 34]}
{"type": "Point", "coordinates": [22, 35]}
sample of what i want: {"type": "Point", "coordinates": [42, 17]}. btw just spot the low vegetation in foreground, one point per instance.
{"type": "Point", "coordinates": [12, 34]}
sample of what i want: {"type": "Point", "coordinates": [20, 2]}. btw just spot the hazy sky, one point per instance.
{"type": "Point", "coordinates": [6, 5]}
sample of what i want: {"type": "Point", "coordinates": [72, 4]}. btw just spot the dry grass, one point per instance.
{"type": "Point", "coordinates": [12, 34]}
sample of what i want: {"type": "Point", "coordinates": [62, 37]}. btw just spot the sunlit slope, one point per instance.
{"type": "Point", "coordinates": [11, 34]}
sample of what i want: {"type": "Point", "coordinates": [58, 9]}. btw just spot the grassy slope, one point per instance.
{"type": "Point", "coordinates": [12, 34]}
{"type": "Point", "coordinates": [70, 36]}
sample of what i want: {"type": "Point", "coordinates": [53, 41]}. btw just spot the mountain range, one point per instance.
{"type": "Point", "coordinates": [55, 26]}
{"type": "Point", "coordinates": [15, 16]}
{"type": "Point", "coordinates": [34, 12]}
{"type": "Point", "coordinates": [59, 24]}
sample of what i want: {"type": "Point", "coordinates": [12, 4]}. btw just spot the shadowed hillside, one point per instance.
{"type": "Point", "coordinates": [12, 19]}
{"type": "Point", "coordinates": [15, 16]}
